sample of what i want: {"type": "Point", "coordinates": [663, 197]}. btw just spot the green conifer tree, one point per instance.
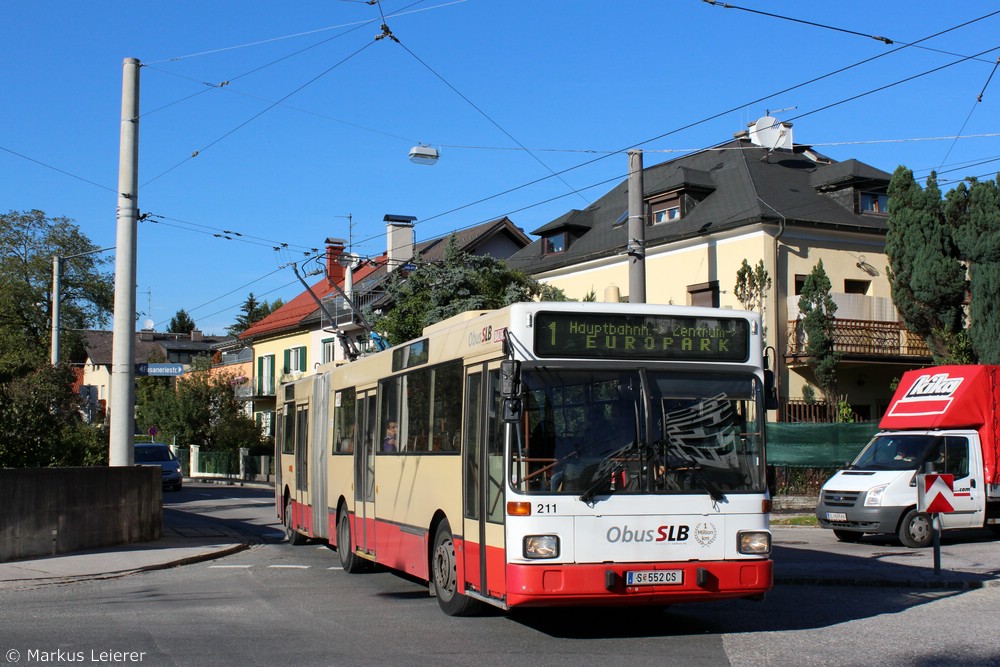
{"type": "Point", "coordinates": [925, 273]}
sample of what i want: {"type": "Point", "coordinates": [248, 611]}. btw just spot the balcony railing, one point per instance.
{"type": "Point", "coordinates": [341, 311]}
{"type": "Point", "coordinates": [862, 338]}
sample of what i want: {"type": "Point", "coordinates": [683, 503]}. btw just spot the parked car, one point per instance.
{"type": "Point", "coordinates": [157, 454]}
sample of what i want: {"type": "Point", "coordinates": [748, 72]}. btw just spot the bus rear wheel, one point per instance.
{"type": "Point", "coordinates": [444, 576]}
{"type": "Point", "coordinates": [295, 538]}
{"type": "Point", "coordinates": [349, 560]}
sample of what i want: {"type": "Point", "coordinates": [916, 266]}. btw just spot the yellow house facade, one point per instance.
{"type": "Point", "coordinates": [707, 213]}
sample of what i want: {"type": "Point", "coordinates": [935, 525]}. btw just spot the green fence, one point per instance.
{"type": "Point", "coordinates": [799, 445]}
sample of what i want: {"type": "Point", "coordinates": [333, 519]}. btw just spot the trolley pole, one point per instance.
{"type": "Point", "coordinates": [636, 248]}
{"type": "Point", "coordinates": [122, 396]}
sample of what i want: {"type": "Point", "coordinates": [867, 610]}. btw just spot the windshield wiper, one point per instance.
{"type": "Point", "coordinates": [606, 475]}
{"type": "Point", "coordinates": [692, 464]}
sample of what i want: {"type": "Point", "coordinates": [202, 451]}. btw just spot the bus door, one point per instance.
{"type": "Point", "coordinates": [301, 461]}
{"type": "Point", "coordinates": [484, 562]}
{"type": "Point", "coordinates": [364, 473]}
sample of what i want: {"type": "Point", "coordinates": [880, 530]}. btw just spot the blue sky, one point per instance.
{"type": "Point", "coordinates": [309, 138]}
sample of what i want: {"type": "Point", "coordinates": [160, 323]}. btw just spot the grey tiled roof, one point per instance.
{"type": "Point", "coordinates": [740, 184]}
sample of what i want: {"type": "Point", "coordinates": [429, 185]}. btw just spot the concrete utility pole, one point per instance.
{"type": "Point", "coordinates": [636, 248]}
{"type": "Point", "coordinates": [123, 341]}
{"type": "Point", "coordinates": [56, 261]}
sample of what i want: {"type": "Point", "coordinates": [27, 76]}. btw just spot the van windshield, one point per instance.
{"type": "Point", "coordinates": [895, 452]}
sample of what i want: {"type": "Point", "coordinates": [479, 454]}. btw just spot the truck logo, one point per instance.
{"type": "Point", "coordinates": [928, 395]}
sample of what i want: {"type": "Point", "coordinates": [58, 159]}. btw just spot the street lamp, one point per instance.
{"type": "Point", "coordinates": [424, 155]}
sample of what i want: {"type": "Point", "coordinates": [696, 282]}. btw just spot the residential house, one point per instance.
{"type": "Point", "coordinates": [301, 335]}
{"type": "Point", "coordinates": [757, 197]}
{"type": "Point", "coordinates": [150, 347]}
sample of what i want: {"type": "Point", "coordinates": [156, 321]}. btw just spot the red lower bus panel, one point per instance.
{"type": "Point", "coordinates": [604, 584]}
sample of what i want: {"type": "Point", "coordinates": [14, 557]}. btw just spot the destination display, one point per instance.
{"type": "Point", "coordinates": [634, 336]}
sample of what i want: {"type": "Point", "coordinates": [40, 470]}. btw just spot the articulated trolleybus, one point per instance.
{"type": "Point", "coordinates": [544, 454]}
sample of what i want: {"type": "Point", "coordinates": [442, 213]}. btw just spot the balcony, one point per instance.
{"type": "Point", "coordinates": [863, 339]}
{"type": "Point", "coordinates": [342, 314]}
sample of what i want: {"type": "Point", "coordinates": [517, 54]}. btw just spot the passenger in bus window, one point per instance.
{"type": "Point", "coordinates": [389, 442]}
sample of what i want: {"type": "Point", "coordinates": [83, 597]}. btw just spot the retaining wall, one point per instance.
{"type": "Point", "coordinates": [47, 511]}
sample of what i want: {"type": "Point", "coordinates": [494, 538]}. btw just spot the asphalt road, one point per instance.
{"type": "Point", "coordinates": [278, 604]}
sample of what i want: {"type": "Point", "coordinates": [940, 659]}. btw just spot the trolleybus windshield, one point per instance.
{"type": "Point", "coordinates": [586, 432]}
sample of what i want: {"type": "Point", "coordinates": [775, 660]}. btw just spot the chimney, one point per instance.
{"type": "Point", "coordinates": [334, 268]}
{"type": "Point", "coordinates": [196, 335]}
{"type": "Point", "coordinates": [399, 239]}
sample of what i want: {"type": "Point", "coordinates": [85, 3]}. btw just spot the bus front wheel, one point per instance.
{"type": "Point", "coordinates": [444, 576]}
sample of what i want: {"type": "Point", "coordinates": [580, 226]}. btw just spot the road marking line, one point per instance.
{"type": "Point", "coordinates": [222, 567]}
{"type": "Point", "coordinates": [290, 567]}
{"type": "Point", "coordinates": [335, 568]}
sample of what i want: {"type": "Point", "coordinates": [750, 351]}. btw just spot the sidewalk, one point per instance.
{"type": "Point", "coordinates": [183, 542]}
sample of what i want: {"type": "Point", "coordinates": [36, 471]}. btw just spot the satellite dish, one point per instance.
{"type": "Point", "coordinates": [767, 132]}
{"type": "Point", "coordinates": [148, 325]}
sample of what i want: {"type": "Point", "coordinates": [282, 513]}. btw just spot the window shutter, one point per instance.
{"type": "Point", "coordinates": [288, 362]}
{"type": "Point", "coordinates": [302, 358]}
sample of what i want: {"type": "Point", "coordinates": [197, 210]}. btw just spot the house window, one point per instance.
{"type": "Point", "coordinates": [875, 203]}
{"type": "Point", "coordinates": [669, 214]}
{"type": "Point", "coordinates": [856, 286]}
{"type": "Point", "coordinates": [265, 375]}
{"type": "Point", "coordinates": [704, 294]}
{"type": "Point", "coordinates": [329, 350]}
{"type": "Point", "coordinates": [555, 244]}
{"type": "Point", "coordinates": [800, 281]}
{"type": "Point", "coordinates": [295, 360]}
{"type": "Point", "coordinates": [666, 208]}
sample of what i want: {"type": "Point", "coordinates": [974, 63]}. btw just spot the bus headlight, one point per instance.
{"type": "Point", "coordinates": [754, 542]}
{"type": "Point", "coordinates": [874, 496]}
{"type": "Point", "coordinates": [541, 546]}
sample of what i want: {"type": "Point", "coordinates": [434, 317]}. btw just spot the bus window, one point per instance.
{"type": "Point", "coordinates": [389, 427]}
{"type": "Point", "coordinates": [344, 421]}
{"type": "Point", "coordinates": [288, 429]}
{"type": "Point", "coordinates": [447, 415]}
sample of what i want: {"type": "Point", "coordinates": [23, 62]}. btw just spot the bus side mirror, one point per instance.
{"type": "Point", "coordinates": [770, 392]}
{"type": "Point", "coordinates": [510, 378]}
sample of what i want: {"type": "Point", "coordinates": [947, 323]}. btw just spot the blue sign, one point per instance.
{"type": "Point", "coordinates": [159, 370]}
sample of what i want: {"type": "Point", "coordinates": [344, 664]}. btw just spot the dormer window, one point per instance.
{"type": "Point", "coordinates": [874, 203]}
{"type": "Point", "coordinates": [666, 209]}
{"type": "Point", "coordinates": [668, 214]}
{"type": "Point", "coordinates": [555, 244]}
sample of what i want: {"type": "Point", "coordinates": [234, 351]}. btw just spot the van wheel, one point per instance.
{"type": "Point", "coordinates": [349, 560]}
{"type": "Point", "coordinates": [295, 538]}
{"type": "Point", "coordinates": [915, 530]}
{"type": "Point", "coordinates": [444, 576]}
{"type": "Point", "coordinates": [848, 535]}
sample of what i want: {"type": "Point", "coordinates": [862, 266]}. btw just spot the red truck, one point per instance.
{"type": "Point", "coordinates": [944, 419]}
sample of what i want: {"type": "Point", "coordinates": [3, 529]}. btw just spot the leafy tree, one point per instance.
{"type": "Point", "coordinates": [252, 311]}
{"type": "Point", "coordinates": [752, 285]}
{"type": "Point", "coordinates": [181, 323]}
{"type": "Point", "coordinates": [925, 273]}
{"type": "Point", "coordinates": [460, 282]}
{"type": "Point", "coordinates": [28, 241]}
{"type": "Point", "coordinates": [41, 424]}
{"type": "Point", "coordinates": [973, 211]}
{"type": "Point", "coordinates": [818, 308]}
{"type": "Point", "coordinates": [200, 409]}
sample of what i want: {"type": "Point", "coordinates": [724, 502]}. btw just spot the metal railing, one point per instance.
{"type": "Point", "coordinates": [864, 338]}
